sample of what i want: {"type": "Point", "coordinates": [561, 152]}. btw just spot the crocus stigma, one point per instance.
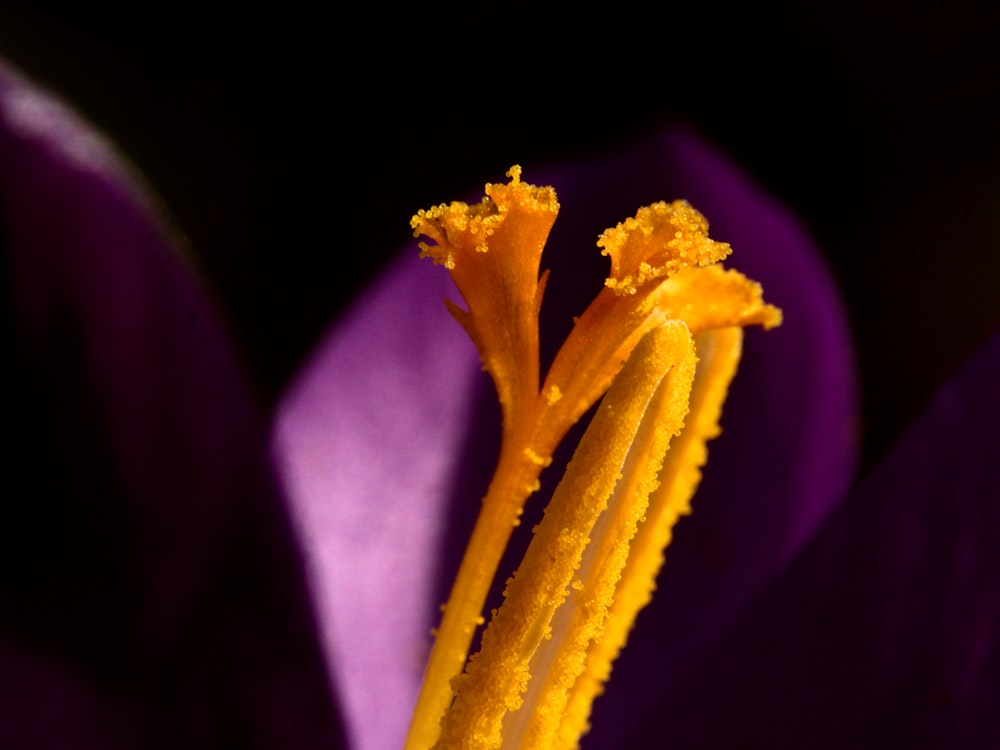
{"type": "Point", "coordinates": [663, 340]}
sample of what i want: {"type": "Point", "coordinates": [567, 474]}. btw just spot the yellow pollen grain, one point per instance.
{"type": "Point", "coordinates": [536, 459]}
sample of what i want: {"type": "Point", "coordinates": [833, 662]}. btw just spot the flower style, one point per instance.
{"type": "Point", "coordinates": [153, 595]}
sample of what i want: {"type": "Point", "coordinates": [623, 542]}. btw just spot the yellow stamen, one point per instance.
{"type": "Point", "coordinates": [719, 354]}
{"type": "Point", "coordinates": [665, 285]}
{"type": "Point", "coordinates": [610, 477]}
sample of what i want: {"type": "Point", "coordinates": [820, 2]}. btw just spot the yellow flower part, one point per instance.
{"type": "Point", "coordinates": [681, 288]}
{"type": "Point", "coordinates": [719, 354]}
{"type": "Point", "coordinates": [592, 562]}
{"type": "Point", "coordinates": [661, 240]}
{"type": "Point", "coordinates": [616, 465]}
{"type": "Point", "coordinates": [492, 250]}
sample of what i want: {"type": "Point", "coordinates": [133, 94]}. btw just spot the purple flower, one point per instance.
{"type": "Point", "coordinates": [159, 591]}
{"type": "Point", "coordinates": [389, 436]}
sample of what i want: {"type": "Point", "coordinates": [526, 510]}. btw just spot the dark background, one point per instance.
{"type": "Point", "coordinates": [293, 149]}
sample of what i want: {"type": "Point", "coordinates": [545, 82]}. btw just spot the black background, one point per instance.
{"type": "Point", "coordinates": [292, 148]}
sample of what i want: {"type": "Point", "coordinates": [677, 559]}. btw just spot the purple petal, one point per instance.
{"type": "Point", "coordinates": [374, 440]}
{"type": "Point", "coordinates": [884, 632]}
{"type": "Point", "coordinates": [153, 594]}
{"type": "Point", "coordinates": [370, 438]}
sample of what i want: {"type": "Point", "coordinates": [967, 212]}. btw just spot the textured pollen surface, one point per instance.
{"type": "Point", "coordinates": [492, 250]}
{"type": "Point", "coordinates": [498, 676]}
{"type": "Point", "coordinates": [662, 239]}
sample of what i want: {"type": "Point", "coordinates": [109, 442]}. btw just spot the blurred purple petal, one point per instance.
{"type": "Point", "coordinates": [152, 592]}
{"type": "Point", "coordinates": [884, 632]}
{"type": "Point", "coordinates": [379, 434]}
{"type": "Point", "coordinates": [370, 438]}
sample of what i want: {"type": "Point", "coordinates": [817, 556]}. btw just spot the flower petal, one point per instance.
{"type": "Point", "coordinates": [153, 594]}
{"type": "Point", "coordinates": [884, 632]}
{"type": "Point", "coordinates": [370, 438]}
